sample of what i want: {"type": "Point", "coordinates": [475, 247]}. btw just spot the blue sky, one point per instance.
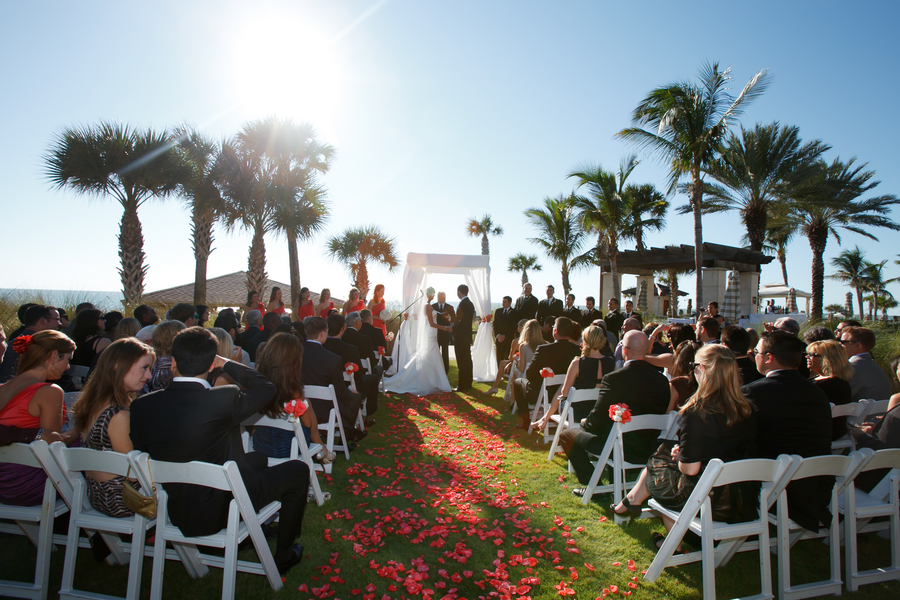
{"type": "Point", "coordinates": [439, 112]}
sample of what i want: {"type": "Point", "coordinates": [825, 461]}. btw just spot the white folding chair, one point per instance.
{"type": "Point", "coordinates": [851, 412]}
{"type": "Point", "coordinates": [613, 455]}
{"type": "Point", "coordinates": [859, 508]}
{"type": "Point", "coordinates": [543, 402]}
{"type": "Point", "coordinates": [873, 408]}
{"type": "Point", "coordinates": [843, 469]}
{"type": "Point", "coordinates": [367, 365]}
{"type": "Point", "coordinates": [567, 421]}
{"type": "Point", "coordinates": [243, 521]}
{"type": "Point", "coordinates": [82, 515]}
{"type": "Point", "coordinates": [333, 426]}
{"type": "Point", "coordinates": [79, 374]}
{"type": "Point", "coordinates": [36, 522]}
{"type": "Point", "coordinates": [697, 513]}
{"type": "Point", "coordinates": [299, 448]}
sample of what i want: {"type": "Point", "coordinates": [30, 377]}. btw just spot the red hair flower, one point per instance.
{"type": "Point", "coordinates": [21, 344]}
{"type": "Point", "coordinates": [547, 372]}
{"type": "Point", "coordinates": [620, 413]}
{"type": "Point", "coordinates": [351, 368]}
{"type": "Point", "coordinates": [294, 409]}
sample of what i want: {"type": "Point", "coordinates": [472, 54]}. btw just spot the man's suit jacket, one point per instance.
{"type": "Point", "coordinates": [795, 418]}
{"type": "Point", "coordinates": [869, 381]}
{"type": "Point", "coordinates": [254, 343]}
{"type": "Point", "coordinates": [589, 316]}
{"type": "Point", "coordinates": [349, 354]}
{"type": "Point", "coordinates": [363, 344]}
{"type": "Point", "coordinates": [526, 308]}
{"type": "Point", "coordinates": [247, 335]}
{"type": "Point", "coordinates": [646, 392]}
{"type": "Point", "coordinates": [614, 320]}
{"type": "Point", "coordinates": [633, 314]}
{"type": "Point", "coordinates": [186, 422]}
{"type": "Point", "coordinates": [462, 328]}
{"type": "Point", "coordinates": [573, 313]}
{"type": "Point", "coordinates": [322, 367]}
{"type": "Point", "coordinates": [555, 356]}
{"type": "Point", "coordinates": [375, 334]}
{"type": "Point", "coordinates": [506, 323]}
{"type": "Point", "coordinates": [446, 317]}
{"type": "Point", "coordinates": [552, 307]}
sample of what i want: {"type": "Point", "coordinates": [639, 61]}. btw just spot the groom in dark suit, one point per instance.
{"type": "Point", "coordinates": [445, 317]}
{"type": "Point", "coordinates": [462, 339]}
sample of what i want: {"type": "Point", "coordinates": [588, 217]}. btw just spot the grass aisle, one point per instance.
{"type": "Point", "coordinates": [444, 499]}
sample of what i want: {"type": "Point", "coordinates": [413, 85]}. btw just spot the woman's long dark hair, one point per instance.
{"type": "Point", "coordinates": [281, 362]}
{"type": "Point", "coordinates": [86, 325]}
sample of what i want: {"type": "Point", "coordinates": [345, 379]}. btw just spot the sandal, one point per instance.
{"type": "Point", "coordinates": [631, 512]}
{"type": "Point", "coordinates": [325, 456]}
{"type": "Point", "coordinates": [658, 540]}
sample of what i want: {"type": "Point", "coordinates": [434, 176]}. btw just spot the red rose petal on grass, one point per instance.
{"type": "Point", "coordinates": [468, 573]}
{"type": "Point", "coordinates": [631, 565]}
{"type": "Point", "coordinates": [370, 588]}
{"type": "Point", "coordinates": [617, 564]}
{"type": "Point", "coordinates": [579, 529]}
{"type": "Point", "coordinates": [626, 593]}
{"type": "Point", "coordinates": [303, 588]}
{"type": "Point", "coordinates": [602, 519]}
{"type": "Point", "coordinates": [589, 566]}
{"type": "Point", "coordinates": [614, 589]}
{"type": "Point", "coordinates": [632, 585]}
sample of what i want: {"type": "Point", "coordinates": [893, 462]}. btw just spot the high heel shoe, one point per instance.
{"type": "Point", "coordinates": [631, 512]}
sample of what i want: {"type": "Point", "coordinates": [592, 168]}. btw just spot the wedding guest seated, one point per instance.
{"type": "Point", "coordinates": [227, 349]}
{"type": "Point", "coordinates": [376, 335]}
{"type": "Point", "coordinates": [683, 383]}
{"type": "Point", "coordinates": [676, 334]}
{"type": "Point", "coordinates": [794, 418]}
{"type": "Point", "coordinates": [163, 336]}
{"type": "Point", "coordinates": [738, 341]}
{"type": "Point", "coordinates": [504, 369]}
{"type": "Point", "coordinates": [324, 368]}
{"type": "Point", "coordinates": [529, 340]}
{"type": "Point", "coordinates": [354, 303]}
{"type": "Point", "coordinates": [184, 312]}
{"type": "Point", "coordinates": [88, 337]}
{"type": "Point", "coordinates": [754, 336]}
{"type": "Point", "coordinates": [363, 344]}
{"type": "Point", "coordinates": [229, 322]}
{"type": "Point", "coordinates": [869, 380]}
{"type": "Point", "coordinates": [827, 361]}
{"type": "Point", "coordinates": [366, 384]}
{"type": "Point", "coordinates": [555, 356]}
{"type": "Point", "coordinates": [280, 328]}
{"type": "Point", "coordinates": [145, 334]}
{"type": "Point", "coordinates": [305, 306]}
{"type": "Point", "coordinates": [126, 328]}
{"type": "Point", "coordinates": [637, 384]}
{"type": "Point", "coordinates": [629, 325]}
{"type": "Point", "coordinates": [817, 333]}
{"type": "Point", "coordinates": [29, 401]}
{"type": "Point", "coordinates": [325, 304]}
{"type": "Point", "coordinates": [254, 323]}
{"type": "Point", "coordinates": [281, 362]}
{"type": "Point", "coordinates": [843, 325]}
{"type": "Point", "coordinates": [190, 421]}
{"type": "Point", "coordinates": [298, 330]}
{"type": "Point", "coordinates": [102, 417]}
{"type": "Point", "coordinates": [584, 373]}
{"type": "Point", "coordinates": [708, 330]}
{"type": "Point", "coordinates": [883, 434]}
{"type": "Point", "coordinates": [20, 314]}
{"type": "Point", "coordinates": [717, 422]}
{"type": "Point", "coordinates": [202, 315]}
{"type": "Point", "coordinates": [35, 318]}
{"type": "Point", "coordinates": [146, 315]}
{"type": "Point", "coordinates": [656, 347]}
{"type": "Point", "coordinates": [253, 303]}
{"type": "Point", "coordinates": [110, 320]}
{"type": "Point", "coordinates": [70, 329]}
{"type": "Point", "coordinates": [270, 321]}
{"type": "Point", "coordinates": [547, 329]}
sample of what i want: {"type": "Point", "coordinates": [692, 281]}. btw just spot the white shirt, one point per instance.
{"type": "Point", "coordinates": [193, 380]}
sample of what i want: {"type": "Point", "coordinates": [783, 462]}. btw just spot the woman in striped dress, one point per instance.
{"type": "Point", "coordinates": [101, 414]}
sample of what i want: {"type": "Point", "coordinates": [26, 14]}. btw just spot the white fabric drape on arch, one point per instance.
{"type": "Point", "coordinates": [476, 272]}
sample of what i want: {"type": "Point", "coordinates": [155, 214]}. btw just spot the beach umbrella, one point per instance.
{"type": "Point", "coordinates": [792, 302]}
{"type": "Point", "coordinates": [642, 297]}
{"type": "Point", "coordinates": [848, 305]}
{"type": "Point", "coordinates": [731, 304]}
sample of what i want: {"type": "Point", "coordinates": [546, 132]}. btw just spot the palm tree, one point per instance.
{"type": "Point", "coordinates": [830, 202]}
{"type": "Point", "coordinates": [850, 267]}
{"type": "Point", "coordinates": [670, 278]}
{"type": "Point", "coordinates": [684, 123]}
{"type": "Point", "coordinates": [778, 239]}
{"type": "Point", "coordinates": [523, 262]}
{"type": "Point", "coordinates": [559, 232]}
{"type": "Point", "coordinates": [299, 216]}
{"type": "Point", "coordinates": [874, 282]}
{"type": "Point", "coordinates": [132, 166]}
{"type": "Point", "coordinates": [755, 172]}
{"type": "Point", "coordinates": [648, 211]}
{"type": "Point", "coordinates": [606, 212]}
{"type": "Point", "coordinates": [834, 308]}
{"type": "Point", "coordinates": [884, 301]}
{"type": "Point", "coordinates": [202, 197]}
{"type": "Point", "coordinates": [356, 247]}
{"type": "Point", "coordinates": [484, 228]}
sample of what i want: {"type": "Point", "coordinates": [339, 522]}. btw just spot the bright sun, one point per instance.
{"type": "Point", "coordinates": [284, 67]}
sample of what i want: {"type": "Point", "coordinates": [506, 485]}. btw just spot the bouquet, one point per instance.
{"type": "Point", "coordinates": [294, 409]}
{"type": "Point", "coordinates": [547, 372]}
{"type": "Point", "coordinates": [620, 413]}
{"type": "Point", "coordinates": [390, 336]}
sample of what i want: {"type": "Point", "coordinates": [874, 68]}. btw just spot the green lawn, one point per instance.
{"type": "Point", "coordinates": [446, 499]}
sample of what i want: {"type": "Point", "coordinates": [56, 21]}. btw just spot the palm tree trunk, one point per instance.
{"type": "Point", "coordinates": [859, 300]}
{"type": "Point", "coordinates": [614, 271]}
{"type": "Point", "coordinates": [131, 253]}
{"type": "Point", "coordinates": [524, 277]}
{"type": "Point", "coordinates": [639, 239]}
{"type": "Point", "coordinates": [673, 292]}
{"type": "Point", "coordinates": [782, 258]}
{"type": "Point", "coordinates": [600, 291]}
{"type": "Point", "coordinates": [294, 264]}
{"type": "Point", "coordinates": [201, 230]}
{"type": "Point", "coordinates": [756, 219]}
{"type": "Point", "coordinates": [817, 244]}
{"type": "Point", "coordinates": [362, 278]}
{"type": "Point", "coordinates": [696, 201]}
{"type": "Point", "coordinates": [256, 264]}
{"type": "Point", "coordinates": [485, 245]}
{"type": "Point", "coordinates": [565, 278]}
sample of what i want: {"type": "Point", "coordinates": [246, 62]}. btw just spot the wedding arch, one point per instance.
{"type": "Point", "coordinates": [476, 272]}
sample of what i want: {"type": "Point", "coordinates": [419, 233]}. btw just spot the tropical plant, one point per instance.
{"type": "Point", "coordinates": [648, 211]}
{"type": "Point", "coordinates": [484, 228]}
{"type": "Point", "coordinates": [684, 124]}
{"type": "Point", "coordinates": [559, 232]}
{"type": "Point", "coordinates": [606, 211]}
{"type": "Point", "coordinates": [829, 202]}
{"type": "Point", "coordinates": [834, 308]}
{"type": "Point", "coordinates": [884, 301]}
{"type": "Point", "coordinates": [203, 198]}
{"type": "Point", "coordinates": [132, 166]}
{"type": "Point", "coordinates": [357, 247]}
{"type": "Point", "coordinates": [669, 277]}
{"type": "Point", "coordinates": [875, 283]}
{"type": "Point", "coordinates": [523, 262]}
{"type": "Point", "coordinates": [755, 172]}
{"type": "Point", "coordinates": [850, 267]}
{"type": "Point", "coordinates": [778, 239]}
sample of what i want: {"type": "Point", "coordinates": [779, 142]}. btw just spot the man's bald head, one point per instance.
{"type": "Point", "coordinates": [635, 345]}
{"type": "Point", "coordinates": [631, 324]}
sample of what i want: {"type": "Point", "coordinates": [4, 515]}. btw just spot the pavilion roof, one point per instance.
{"type": "Point", "coordinates": [715, 256]}
{"type": "Point", "coordinates": [225, 290]}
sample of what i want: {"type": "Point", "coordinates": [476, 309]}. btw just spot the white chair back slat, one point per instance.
{"type": "Point", "coordinates": [567, 420]}
{"type": "Point", "coordinates": [543, 402]}
{"type": "Point", "coordinates": [334, 424]}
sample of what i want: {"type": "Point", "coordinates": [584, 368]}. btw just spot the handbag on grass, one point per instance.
{"type": "Point", "coordinates": [665, 481]}
{"type": "Point", "coordinates": [138, 502]}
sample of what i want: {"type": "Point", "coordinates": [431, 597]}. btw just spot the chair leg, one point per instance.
{"type": "Point", "coordinates": [231, 549]}
{"type": "Point", "coordinates": [71, 555]}
{"type": "Point", "coordinates": [708, 552]}
{"type": "Point", "coordinates": [136, 564]}
{"type": "Point", "coordinates": [159, 559]}
{"type": "Point", "coordinates": [554, 447]}
{"type": "Point", "coordinates": [784, 549]}
{"type": "Point", "coordinates": [45, 546]}
{"type": "Point", "coordinates": [850, 556]}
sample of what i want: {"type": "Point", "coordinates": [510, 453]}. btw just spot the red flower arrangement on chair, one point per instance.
{"type": "Point", "coordinates": [620, 413]}
{"type": "Point", "coordinates": [295, 409]}
{"type": "Point", "coordinates": [351, 368]}
{"type": "Point", "coordinates": [547, 372]}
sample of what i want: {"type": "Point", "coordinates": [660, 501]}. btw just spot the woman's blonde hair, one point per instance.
{"type": "Point", "coordinates": [164, 335]}
{"type": "Point", "coordinates": [126, 328]}
{"type": "Point", "coordinates": [594, 339]}
{"type": "Point", "coordinates": [834, 359]}
{"type": "Point", "coordinates": [720, 387]}
{"type": "Point", "coordinates": [531, 334]}
{"type": "Point", "coordinates": [226, 344]}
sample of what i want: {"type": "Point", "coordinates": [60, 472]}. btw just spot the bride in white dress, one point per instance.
{"type": "Point", "coordinates": [423, 373]}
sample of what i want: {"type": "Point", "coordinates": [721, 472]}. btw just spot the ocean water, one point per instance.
{"type": "Point", "coordinates": [101, 299]}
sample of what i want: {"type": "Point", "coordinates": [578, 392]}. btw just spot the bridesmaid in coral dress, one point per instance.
{"type": "Point", "coordinates": [376, 305]}
{"type": "Point", "coordinates": [253, 303]}
{"type": "Point", "coordinates": [325, 304]}
{"type": "Point", "coordinates": [353, 303]}
{"type": "Point", "coordinates": [276, 304]}
{"type": "Point", "coordinates": [305, 308]}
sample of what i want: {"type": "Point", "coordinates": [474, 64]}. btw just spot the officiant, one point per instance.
{"type": "Point", "coordinates": [444, 315]}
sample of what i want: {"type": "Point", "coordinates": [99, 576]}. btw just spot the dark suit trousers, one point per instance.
{"type": "Point", "coordinates": [444, 343]}
{"type": "Point", "coordinates": [287, 483]}
{"type": "Point", "coordinates": [464, 363]}
{"type": "Point", "coordinates": [370, 389]}
{"type": "Point", "coordinates": [577, 444]}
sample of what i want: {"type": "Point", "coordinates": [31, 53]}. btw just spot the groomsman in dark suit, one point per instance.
{"type": "Point", "coordinates": [551, 307]}
{"type": "Point", "coordinates": [462, 339]}
{"type": "Point", "coordinates": [614, 318]}
{"type": "Point", "coordinates": [589, 314]}
{"type": "Point", "coordinates": [571, 311]}
{"type": "Point", "coordinates": [444, 315]}
{"type": "Point", "coordinates": [526, 304]}
{"type": "Point", "coordinates": [505, 326]}
{"type": "Point", "coordinates": [629, 312]}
